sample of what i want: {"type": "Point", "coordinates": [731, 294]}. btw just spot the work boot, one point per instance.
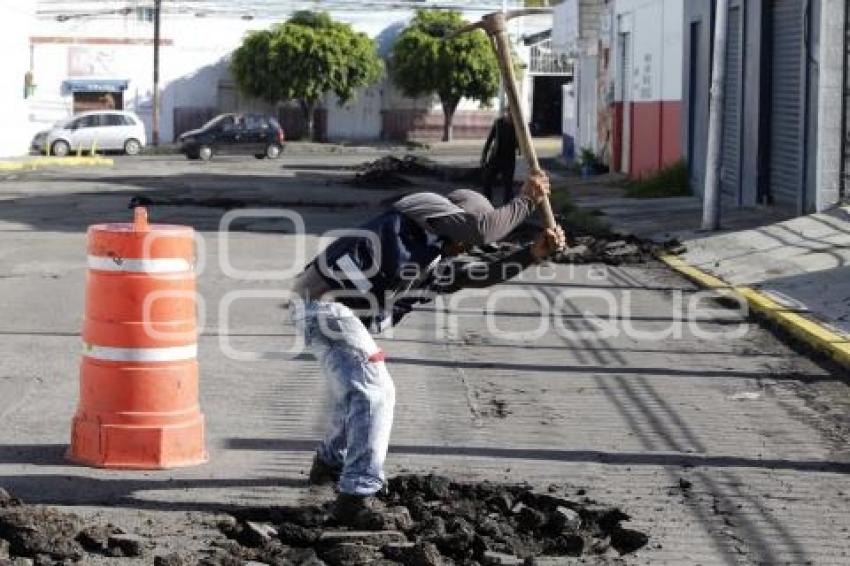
{"type": "Point", "coordinates": [360, 512]}
{"type": "Point", "coordinates": [322, 473]}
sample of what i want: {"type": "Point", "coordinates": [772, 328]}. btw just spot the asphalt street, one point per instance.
{"type": "Point", "coordinates": [724, 444]}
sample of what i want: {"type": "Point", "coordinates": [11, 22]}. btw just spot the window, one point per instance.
{"type": "Point", "coordinates": [115, 120]}
{"type": "Point", "coordinates": [144, 14]}
{"type": "Point", "coordinates": [227, 123]}
{"type": "Point", "coordinates": [254, 122]}
{"type": "Point", "coordinates": [93, 121]}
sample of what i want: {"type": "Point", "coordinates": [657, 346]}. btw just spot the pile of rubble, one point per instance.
{"type": "Point", "coordinates": [430, 521]}
{"type": "Point", "coordinates": [426, 521]}
{"type": "Point", "coordinates": [614, 250]}
{"type": "Point", "coordinates": [37, 535]}
{"type": "Point", "coordinates": [390, 172]}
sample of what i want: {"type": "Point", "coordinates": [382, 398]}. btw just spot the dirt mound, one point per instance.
{"type": "Point", "coordinates": [390, 172]}
{"type": "Point", "coordinates": [168, 198]}
{"type": "Point", "coordinates": [603, 246]}
{"type": "Point", "coordinates": [614, 250]}
{"type": "Point", "coordinates": [47, 536]}
{"type": "Point", "coordinates": [431, 520]}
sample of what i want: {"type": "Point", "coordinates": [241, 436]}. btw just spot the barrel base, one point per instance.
{"type": "Point", "coordinates": [137, 447]}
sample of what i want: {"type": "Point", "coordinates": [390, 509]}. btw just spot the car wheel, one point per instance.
{"type": "Point", "coordinates": [273, 151]}
{"type": "Point", "coordinates": [260, 155]}
{"type": "Point", "coordinates": [60, 148]}
{"type": "Point", "coordinates": [205, 152]}
{"type": "Point", "coordinates": [192, 156]}
{"type": "Point", "coordinates": [132, 147]}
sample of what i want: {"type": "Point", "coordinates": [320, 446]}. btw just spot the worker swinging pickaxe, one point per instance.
{"type": "Point", "coordinates": [425, 245]}
{"type": "Point", "coordinates": [495, 26]}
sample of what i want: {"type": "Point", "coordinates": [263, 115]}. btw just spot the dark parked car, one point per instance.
{"type": "Point", "coordinates": [234, 134]}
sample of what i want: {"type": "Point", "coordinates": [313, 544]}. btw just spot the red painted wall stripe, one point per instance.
{"type": "Point", "coordinates": [617, 138]}
{"type": "Point", "coordinates": [655, 136]}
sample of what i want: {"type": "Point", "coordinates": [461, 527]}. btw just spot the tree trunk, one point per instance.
{"type": "Point", "coordinates": [449, 107]}
{"type": "Point", "coordinates": [309, 110]}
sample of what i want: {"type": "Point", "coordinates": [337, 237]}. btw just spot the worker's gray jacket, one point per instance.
{"type": "Point", "coordinates": [409, 265]}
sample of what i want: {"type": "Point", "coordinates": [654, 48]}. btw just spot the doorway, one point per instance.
{"type": "Point", "coordinates": [547, 104]}
{"type": "Point", "coordinates": [88, 101]}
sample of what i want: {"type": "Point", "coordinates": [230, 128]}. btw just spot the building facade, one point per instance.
{"type": "Point", "coordinates": [647, 75]}
{"type": "Point", "coordinates": [576, 31]}
{"type": "Point", "coordinates": [15, 27]}
{"type": "Point", "coordinates": [90, 55]}
{"type": "Point", "coordinates": [784, 110]}
{"type": "Point", "coordinates": [628, 90]}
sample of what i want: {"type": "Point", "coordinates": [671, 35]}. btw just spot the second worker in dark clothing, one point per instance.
{"type": "Point", "coordinates": [498, 160]}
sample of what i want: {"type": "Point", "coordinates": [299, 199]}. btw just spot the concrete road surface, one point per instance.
{"type": "Point", "coordinates": [722, 442]}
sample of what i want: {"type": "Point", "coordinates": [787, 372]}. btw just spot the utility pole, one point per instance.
{"type": "Point", "coordinates": [502, 97]}
{"type": "Point", "coordinates": [157, 12]}
{"type": "Point", "coordinates": [711, 193]}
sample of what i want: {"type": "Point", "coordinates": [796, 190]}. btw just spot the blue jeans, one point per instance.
{"type": "Point", "coordinates": [361, 390]}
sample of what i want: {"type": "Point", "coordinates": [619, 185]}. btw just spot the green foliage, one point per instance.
{"type": "Point", "coordinates": [671, 181]}
{"type": "Point", "coordinates": [588, 157]}
{"type": "Point", "coordinates": [304, 58]}
{"type": "Point", "coordinates": [425, 62]}
{"type": "Point", "coordinates": [577, 220]}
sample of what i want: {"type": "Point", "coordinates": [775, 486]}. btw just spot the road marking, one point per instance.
{"type": "Point", "coordinates": [808, 331]}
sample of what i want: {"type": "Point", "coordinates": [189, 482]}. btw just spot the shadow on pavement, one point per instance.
{"type": "Point", "coordinates": [608, 370]}
{"type": "Point", "coordinates": [572, 456]}
{"type": "Point", "coordinates": [195, 200]}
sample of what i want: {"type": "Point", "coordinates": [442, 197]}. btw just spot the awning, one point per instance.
{"type": "Point", "coordinates": [95, 85]}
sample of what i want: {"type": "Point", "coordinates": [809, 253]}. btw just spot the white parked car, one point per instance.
{"type": "Point", "coordinates": [111, 130]}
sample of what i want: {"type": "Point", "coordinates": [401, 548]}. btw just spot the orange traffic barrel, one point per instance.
{"type": "Point", "coordinates": [138, 404]}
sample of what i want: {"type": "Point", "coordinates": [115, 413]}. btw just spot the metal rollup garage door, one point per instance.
{"type": "Point", "coordinates": [786, 158]}
{"type": "Point", "coordinates": [730, 173]}
{"type": "Point", "coordinates": [846, 185]}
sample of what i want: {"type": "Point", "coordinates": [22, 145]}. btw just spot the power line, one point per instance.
{"type": "Point", "coordinates": [261, 9]}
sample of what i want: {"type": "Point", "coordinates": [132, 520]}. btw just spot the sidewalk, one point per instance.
{"type": "Point", "coordinates": [31, 163]}
{"type": "Point", "coordinates": [800, 264]}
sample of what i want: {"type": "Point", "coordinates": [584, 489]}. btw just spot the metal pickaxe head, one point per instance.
{"type": "Point", "coordinates": [495, 22]}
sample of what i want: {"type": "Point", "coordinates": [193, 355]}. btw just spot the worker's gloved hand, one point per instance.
{"type": "Point", "coordinates": [536, 187]}
{"type": "Point", "coordinates": [548, 242]}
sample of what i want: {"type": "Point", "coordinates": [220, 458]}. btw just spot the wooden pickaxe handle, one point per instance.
{"type": "Point", "coordinates": [494, 25]}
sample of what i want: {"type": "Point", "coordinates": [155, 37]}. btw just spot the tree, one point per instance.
{"type": "Point", "coordinates": [424, 63]}
{"type": "Point", "coordinates": [303, 59]}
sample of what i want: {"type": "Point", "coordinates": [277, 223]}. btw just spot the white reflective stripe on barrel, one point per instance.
{"type": "Point", "coordinates": [143, 265]}
{"type": "Point", "coordinates": [109, 354]}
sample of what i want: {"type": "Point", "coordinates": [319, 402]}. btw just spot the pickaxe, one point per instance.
{"type": "Point", "coordinates": [494, 25]}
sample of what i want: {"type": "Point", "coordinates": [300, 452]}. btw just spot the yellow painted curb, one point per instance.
{"type": "Point", "coordinates": [70, 161]}
{"type": "Point", "coordinates": [810, 332]}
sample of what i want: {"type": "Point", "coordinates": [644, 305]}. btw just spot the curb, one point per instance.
{"type": "Point", "coordinates": [42, 162]}
{"type": "Point", "coordinates": [804, 329]}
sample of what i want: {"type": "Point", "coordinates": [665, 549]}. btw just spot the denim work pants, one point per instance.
{"type": "Point", "coordinates": [361, 390]}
